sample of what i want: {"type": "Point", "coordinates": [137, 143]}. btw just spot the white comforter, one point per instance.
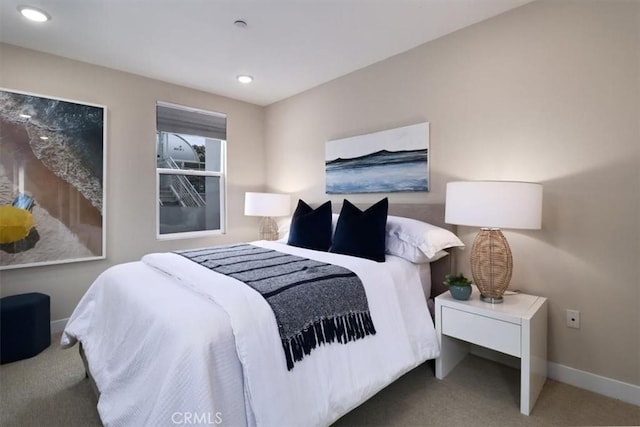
{"type": "Point", "coordinates": [213, 353]}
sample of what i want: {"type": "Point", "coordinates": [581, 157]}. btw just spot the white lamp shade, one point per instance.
{"type": "Point", "coordinates": [267, 204]}
{"type": "Point", "coordinates": [494, 204]}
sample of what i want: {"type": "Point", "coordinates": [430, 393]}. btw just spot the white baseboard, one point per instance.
{"type": "Point", "coordinates": [58, 325]}
{"type": "Point", "coordinates": [626, 392]}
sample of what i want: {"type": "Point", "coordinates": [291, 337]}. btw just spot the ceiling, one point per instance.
{"type": "Point", "coordinates": [288, 46]}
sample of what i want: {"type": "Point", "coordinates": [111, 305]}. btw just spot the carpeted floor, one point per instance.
{"type": "Point", "coordinates": [51, 390]}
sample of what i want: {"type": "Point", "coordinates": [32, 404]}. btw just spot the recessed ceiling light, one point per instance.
{"type": "Point", "coordinates": [245, 79]}
{"type": "Point", "coordinates": [34, 14]}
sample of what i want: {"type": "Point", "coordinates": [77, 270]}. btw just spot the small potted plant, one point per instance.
{"type": "Point", "coordinates": [459, 286]}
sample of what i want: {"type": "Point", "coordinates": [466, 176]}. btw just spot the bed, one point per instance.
{"type": "Point", "coordinates": [163, 349]}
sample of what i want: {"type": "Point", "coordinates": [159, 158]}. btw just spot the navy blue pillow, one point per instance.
{"type": "Point", "coordinates": [362, 234]}
{"type": "Point", "coordinates": [311, 228]}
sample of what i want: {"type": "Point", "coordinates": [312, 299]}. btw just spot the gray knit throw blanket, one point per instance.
{"type": "Point", "coordinates": [313, 302]}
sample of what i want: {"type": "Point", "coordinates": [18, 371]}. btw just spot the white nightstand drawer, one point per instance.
{"type": "Point", "coordinates": [484, 331]}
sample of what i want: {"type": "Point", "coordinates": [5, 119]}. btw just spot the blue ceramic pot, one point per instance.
{"type": "Point", "coordinates": [460, 292]}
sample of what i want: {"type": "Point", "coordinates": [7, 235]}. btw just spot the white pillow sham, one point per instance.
{"type": "Point", "coordinates": [417, 241]}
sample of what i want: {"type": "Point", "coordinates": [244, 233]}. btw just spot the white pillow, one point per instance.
{"type": "Point", "coordinates": [418, 241]}
{"type": "Point", "coordinates": [284, 224]}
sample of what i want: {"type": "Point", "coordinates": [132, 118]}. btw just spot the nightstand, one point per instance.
{"type": "Point", "coordinates": [517, 327]}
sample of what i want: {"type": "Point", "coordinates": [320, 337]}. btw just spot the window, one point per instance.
{"type": "Point", "coordinates": [191, 159]}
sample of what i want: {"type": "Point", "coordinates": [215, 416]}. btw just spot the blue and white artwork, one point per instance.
{"type": "Point", "coordinates": [393, 160]}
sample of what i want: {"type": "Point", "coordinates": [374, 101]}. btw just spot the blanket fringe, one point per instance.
{"type": "Point", "coordinates": [343, 329]}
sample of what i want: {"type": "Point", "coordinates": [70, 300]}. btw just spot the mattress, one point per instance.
{"type": "Point", "coordinates": [158, 351]}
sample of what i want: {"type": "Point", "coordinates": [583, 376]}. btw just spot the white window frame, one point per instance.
{"type": "Point", "coordinates": [222, 174]}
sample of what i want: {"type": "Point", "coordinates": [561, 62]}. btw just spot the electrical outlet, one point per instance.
{"type": "Point", "coordinates": [573, 319]}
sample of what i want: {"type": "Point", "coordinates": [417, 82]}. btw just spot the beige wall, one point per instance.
{"type": "Point", "coordinates": [548, 92]}
{"type": "Point", "coordinates": [131, 185]}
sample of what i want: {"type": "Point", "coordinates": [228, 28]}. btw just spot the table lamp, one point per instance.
{"type": "Point", "coordinates": [493, 205]}
{"type": "Point", "coordinates": [267, 205]}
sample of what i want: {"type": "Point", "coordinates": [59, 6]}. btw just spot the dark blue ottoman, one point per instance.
{"type": "Point", "coordinates": [25, 326]}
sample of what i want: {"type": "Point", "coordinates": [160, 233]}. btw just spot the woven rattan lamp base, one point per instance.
{"type": "Point", "coordinates": [268, 229]}
{"type": "Point", "coordinates": [491, 264]}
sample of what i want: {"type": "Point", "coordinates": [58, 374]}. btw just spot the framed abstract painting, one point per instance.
{"type": "Point", "coordinates": [389, 161]}
{"type": "Point", "coordinates": [52, 180]}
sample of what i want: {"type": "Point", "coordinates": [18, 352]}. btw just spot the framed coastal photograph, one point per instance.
{"type": "Point", "coordinates": [389, 161]}
{"type": "Point", "coordinates": [52, 180]}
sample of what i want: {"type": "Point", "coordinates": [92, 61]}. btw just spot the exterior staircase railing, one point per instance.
{"type": "Point", "coordinates": [181, 188]}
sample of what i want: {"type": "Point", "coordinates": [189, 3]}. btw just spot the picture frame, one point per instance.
{"type": "Point", "coordinates": [394, 160]}
{"type": "Point", "coordinates": [52, 180]}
